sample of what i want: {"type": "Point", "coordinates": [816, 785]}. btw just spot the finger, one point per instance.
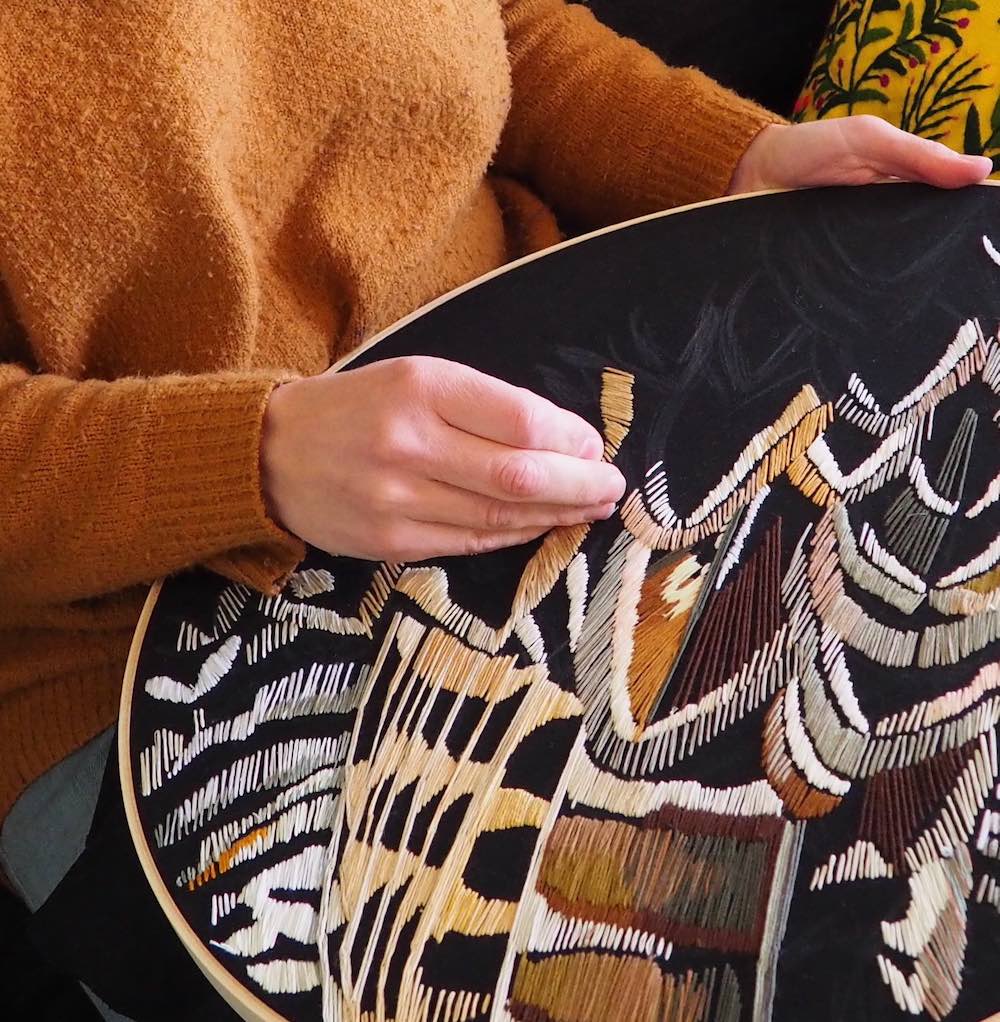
{"type": "Point", "coordinates": [449, 505]}
{"type": "Point", "coordinates": [490, 408]}
{"type": "Point", "coordinates": [521, 476]}
{"type": "Point", "coordinates": [417, 541]}
{"type": "Point", "coordinates": [896, 153]}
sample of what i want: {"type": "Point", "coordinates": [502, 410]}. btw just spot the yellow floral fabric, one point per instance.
{"type": "Point", "coordinates": [929, 66]}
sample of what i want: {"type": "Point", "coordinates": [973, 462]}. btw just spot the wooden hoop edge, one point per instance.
{"type": "Point", "coordinates": [236, 995]}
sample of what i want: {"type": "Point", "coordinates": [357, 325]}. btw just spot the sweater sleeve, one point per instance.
{"type": "Point", "coordinates": [604, 129]}
{"type": "Point", "coordinates": [109, 484]}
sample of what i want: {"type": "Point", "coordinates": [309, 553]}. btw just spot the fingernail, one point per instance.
{"type": "Point", "coordinates": [600, 513]}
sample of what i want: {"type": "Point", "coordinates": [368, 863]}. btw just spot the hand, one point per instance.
{"type": "Point", "coordinates": [419, 457]}
{"type": "Point", "coordinates": [850, 151]}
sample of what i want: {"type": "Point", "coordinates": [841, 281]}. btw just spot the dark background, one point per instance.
{"type": "Point", "coordinates": [762, 50]}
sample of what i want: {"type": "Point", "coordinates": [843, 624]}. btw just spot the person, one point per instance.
{"type": "Point", "coordinates": [204, 206]}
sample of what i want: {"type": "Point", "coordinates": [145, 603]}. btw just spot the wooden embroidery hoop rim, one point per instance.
{"type": "Point", "coordinates": [241, 999]}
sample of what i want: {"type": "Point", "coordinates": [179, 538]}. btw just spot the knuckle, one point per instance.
{"type": "Point", "coordinates": [388, 442]}
{"type": "Point", "coordinates": [498, 515]}
{"type": "Point", "coordinates": [411, 372]}
{"type": "Point", "coordinates": [383, 495]}
{"type": "Point", "coordinates": [519, 475]}
{"type": "Point", "coordinates": [480, 543]}
{"type": "Point", "coordinates": [526, 423]}
{"type": "Point", "coordinates": [870, 128]}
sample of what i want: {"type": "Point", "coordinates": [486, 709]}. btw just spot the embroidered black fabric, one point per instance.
{"type": "Point", "coordinates": [719, 317]}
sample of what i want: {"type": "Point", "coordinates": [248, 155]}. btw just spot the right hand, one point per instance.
{"type": "Point", "coordinates": [420, 457]}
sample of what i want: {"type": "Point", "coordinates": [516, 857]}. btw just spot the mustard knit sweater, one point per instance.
{"type": "Point", "coordinates": [199, 198]}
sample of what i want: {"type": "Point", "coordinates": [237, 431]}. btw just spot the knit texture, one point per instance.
{"type": "Point", "coordinates": [198, 200]}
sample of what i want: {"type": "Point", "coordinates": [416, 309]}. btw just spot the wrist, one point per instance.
{"type": "Point", "coordinates": [755, 171]}
{"type": "Point", "coordinates": [272, 428]}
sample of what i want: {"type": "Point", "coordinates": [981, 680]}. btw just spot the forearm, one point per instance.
{"type": "Point", "coordinates": [105, 485]}
{"type": "Point", "coordinates": [604, 129]}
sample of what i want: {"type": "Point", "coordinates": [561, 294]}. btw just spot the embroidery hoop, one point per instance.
{"type": "Point", "coordinates": [239, 997]}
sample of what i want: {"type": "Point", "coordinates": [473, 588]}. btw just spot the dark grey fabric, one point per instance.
{"type": "Point", "coordinates": [46, 830]}
{"type": "Point", "coordinates": [761, 49]}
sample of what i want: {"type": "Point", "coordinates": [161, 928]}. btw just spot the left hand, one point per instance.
{"type": "Point", "coordinates": [850, 151]}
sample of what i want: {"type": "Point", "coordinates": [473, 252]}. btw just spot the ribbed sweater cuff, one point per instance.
{"type": "Point", "coordinates": [699, 153]}
{"type": "Point", "coordinates": [204, 435]}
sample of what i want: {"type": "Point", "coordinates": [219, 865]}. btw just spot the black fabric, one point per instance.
{"type": "Point", "coordinates": [761, 48]}
{"type": "Point", "coordinates": [30, 991]}
{"type": "Point", "coordinates": [103, 925]}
